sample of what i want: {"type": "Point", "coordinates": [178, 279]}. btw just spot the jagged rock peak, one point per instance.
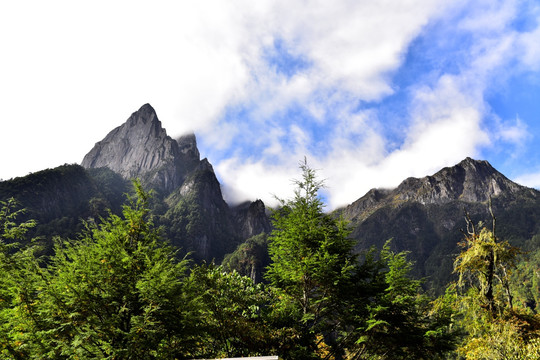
{"type": "Point", "coordinates": [146, 113]}
{"type": "Point", "coordinates": [141, 148]}
{"type": "Point", "coordinates": [470, 180]}
{"type": "Point", "coordinates": [252, 219]}
{"type": "Point", "coordinates": [188, 143]}
{"type": "Point", "coordinates": [205, 165]}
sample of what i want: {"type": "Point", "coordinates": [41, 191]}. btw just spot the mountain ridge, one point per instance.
{"type": "Point", "coordinates": [194, 212]}
{"type": "Point", "coordinates": [468, 181]}
{"type": "Point", "coordinates": [421, 215]}
{"type": "Point", "coordinates": [425, 216]}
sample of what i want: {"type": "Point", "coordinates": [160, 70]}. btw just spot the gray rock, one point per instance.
{"type": "Point", "coordinates": [469, 181]}
{"type": "Point", "coordinates": [141, 148]}
{"type": "Point", "coordinates": [251, 219]}
{"type": "Point", "coordinates": [425, 216]}
{"type": "Point", "coordinates": [193, 212]}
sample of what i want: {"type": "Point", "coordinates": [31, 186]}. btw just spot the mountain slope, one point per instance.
{"type": "Point", "coordinates": [60, 198]}
{"type": "Point", "coordinates": [425, 216]}
{"type": "Point", "coordinates": [191, 205]}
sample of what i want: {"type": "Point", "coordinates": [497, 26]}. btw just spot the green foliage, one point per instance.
{"type": "Point", "coordinates": [525, 280]}
{"type": "Point", "coordinates": [401, 322]}
{"type": "Point", "coordinates": [250, 258]}
{"type": "Point", "coordinates": [235, 315]}
{"type": "Point", "coordinates": [116, 292]}
{"type": "Point", "coordinates": [485, 264]}
{"type": "Point", "coordinates": [17, 280]}
{"type": "Point", "coordinates": [512, 335]}
{"type": "Point", "coordinates": [342, 307]}
{"type": "Point", "coordinates": [185, 223]}
{"type": "Point", "coordinates": [312, 259]}
{"type": "Point", "coordinates": [59, 198]}
{"type": "Point", "coordinates": [496, 328]}
{"type": "Point", "coordinates": [119, 291]}
{"type": "Point", "coordinates": [10, 230]}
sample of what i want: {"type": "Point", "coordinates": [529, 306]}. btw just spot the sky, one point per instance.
{"type": "Point", "coordinates": [369, 92]}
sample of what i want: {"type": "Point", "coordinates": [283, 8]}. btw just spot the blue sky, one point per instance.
{"type": "Point", "coordinates": [371, 92]}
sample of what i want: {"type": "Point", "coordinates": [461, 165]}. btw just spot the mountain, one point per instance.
{"type": "Point", "coordinates": [141, 148]}
{"type": "Point", "coordinates": [425, 216]}
{"type": "Point", "coordinates": [196, 217]}
{"type": "Point", "coordinates": [60, 198]}
{"type": "Point", "coordinates": [188, 201]}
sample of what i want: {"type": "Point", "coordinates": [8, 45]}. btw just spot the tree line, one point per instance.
{"type": "Point", "coordinates": [120, 291]}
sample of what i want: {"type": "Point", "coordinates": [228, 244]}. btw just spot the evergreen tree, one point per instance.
{"type": "Point", "coordinates": [114, 293]}
{"type": "Point", "coordinates": [313, 263]}
{"type": "Point", "coordinates": [401, 322]}
{"type": "Point", "coordinates": [235, 315]}
{"type": "Point", "coordinates": [345, 308]}
{"type": "Point", "coordinates": [18, 281]}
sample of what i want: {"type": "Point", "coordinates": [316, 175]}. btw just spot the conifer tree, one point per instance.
{"type": "Point", "coordinates": [114, 293]}
{"type": "Point", "coordinates": [19, 279]}
{"type": "Point", "coordinates": [313, 262]}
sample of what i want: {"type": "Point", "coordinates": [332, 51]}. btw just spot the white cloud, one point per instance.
{"type": "Point", "coordinates": [529, 180]}
{"type": "Point", "coordinates": [486, 17]}
{"type": "Point", "coordinates": [514, 132]}
{"type": "Point", "coordinates": [445, 129]}
{"type": "Point", "coordinates": [527, 49]}
{"type": "Point", "coordinates": [257, 180]}
{"type": "Point", "coordinates": [445, 121]}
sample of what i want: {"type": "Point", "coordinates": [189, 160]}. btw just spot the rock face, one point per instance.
{"type": "Point", "coordinates": [193, 211]}
{"type": "Point", "coordinates": [198, 220]}
{"type": "Point", "coordinates": [251, 219]}
{"type": "Point", "coordinates": [141, 148]}
{"type": "Point", "coordinates": [425, 215]}
{"type": "Point", "coordinates": [469, 181]}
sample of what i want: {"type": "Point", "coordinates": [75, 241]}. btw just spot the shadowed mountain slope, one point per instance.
{"type": "Point", "coordinates": [426, 215]}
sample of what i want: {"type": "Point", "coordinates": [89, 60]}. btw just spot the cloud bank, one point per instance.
{"type": "Point", "coordinates": [382, 92]}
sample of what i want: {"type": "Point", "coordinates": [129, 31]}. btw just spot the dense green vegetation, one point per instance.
{"type": "Point", "coordinates": [58, 199]}
{"type": "Point", "coordinates": [119, 290]}
{"type": "Point", "coordinates": [496, 325]}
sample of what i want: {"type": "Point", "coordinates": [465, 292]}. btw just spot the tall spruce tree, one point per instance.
{"type": "Point", "coordinates": [401, 322]}
{"type": "Point", "coordinates": [343, 307]}
{"type": "Point", "coordinates": [312, 263]}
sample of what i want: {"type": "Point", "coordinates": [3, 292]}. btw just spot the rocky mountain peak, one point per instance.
{"type": "Point", "coordinates": [141, 148]}
{"type": "Point", "coordinates": [469, 181]}
{"type": "Point", "coordinates": [188, 146]}
{"type": "Point", "coordinates": [252, 219]}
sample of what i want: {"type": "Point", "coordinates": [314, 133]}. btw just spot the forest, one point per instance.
{"type": "Point", "coordinates": [120, 290]}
